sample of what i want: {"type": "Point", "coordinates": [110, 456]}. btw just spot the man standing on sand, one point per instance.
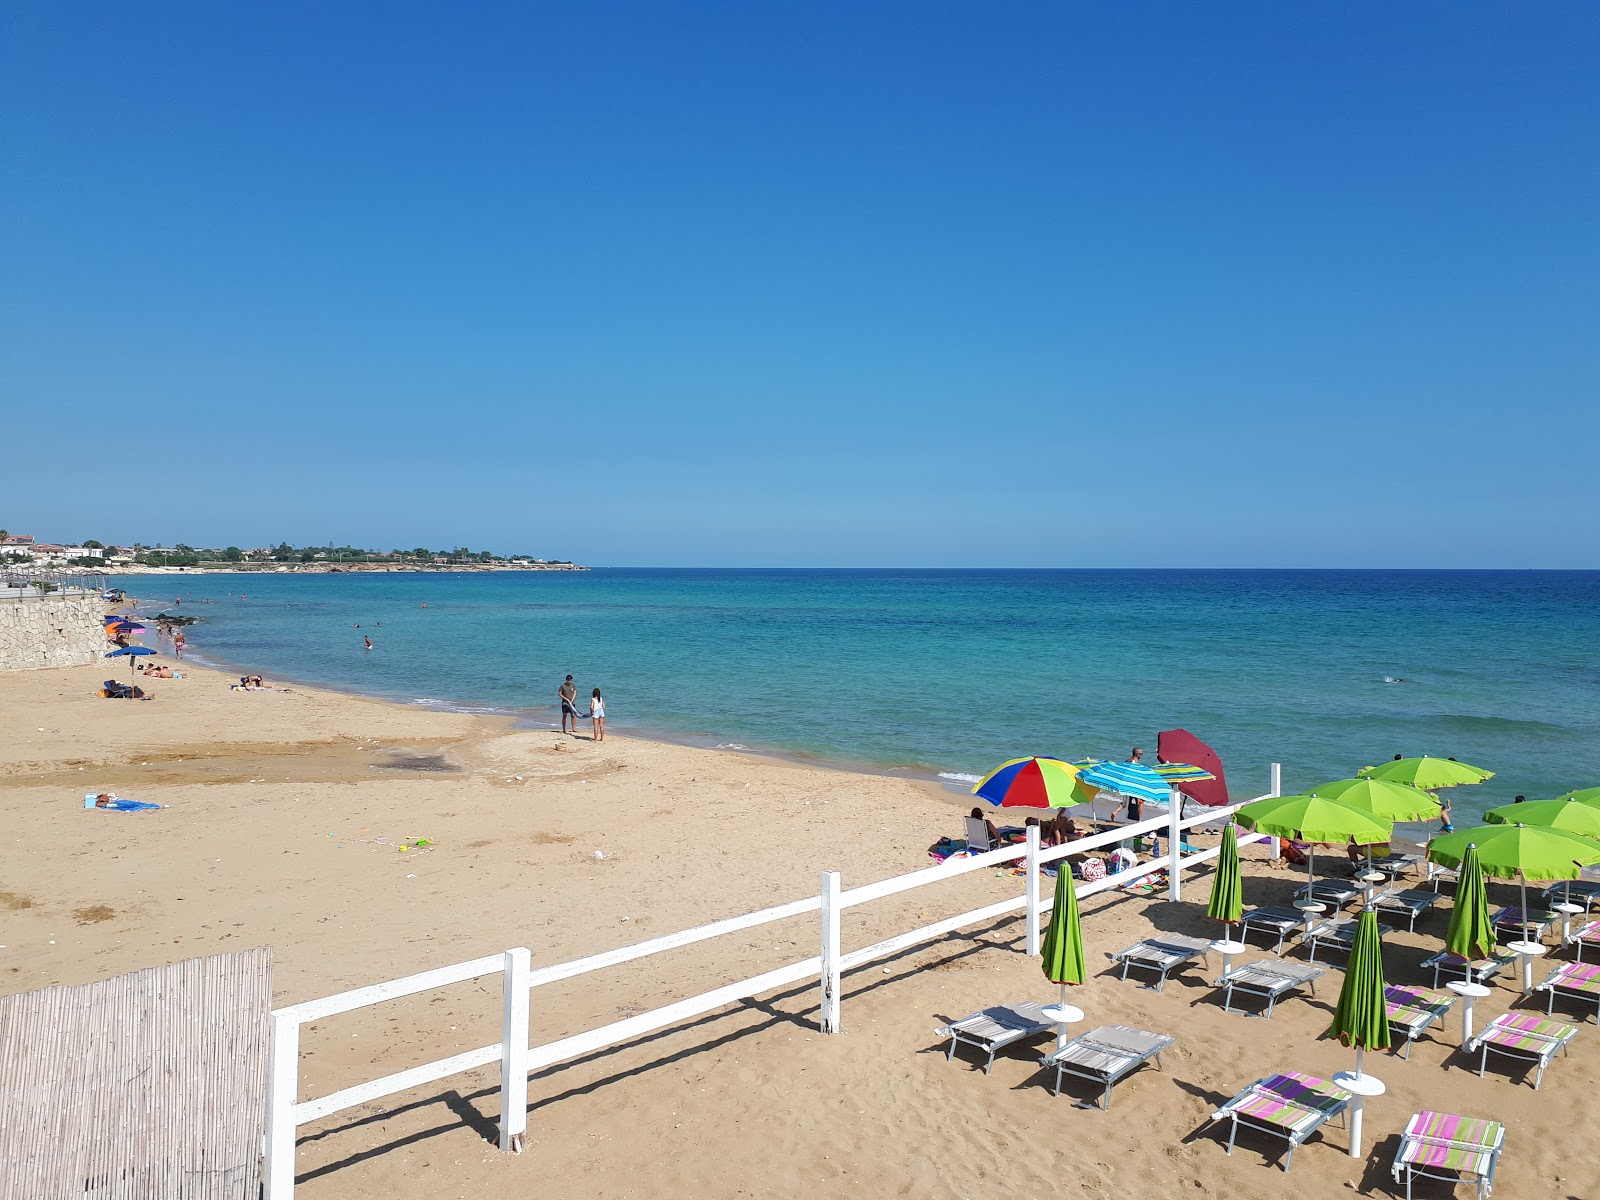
{"type": "Point", "coordinates": [569, 706]}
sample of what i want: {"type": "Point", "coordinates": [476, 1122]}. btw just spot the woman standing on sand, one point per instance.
{"type": "Point", "coordinates": [597, 715]}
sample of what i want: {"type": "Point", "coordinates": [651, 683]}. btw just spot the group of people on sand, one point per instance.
{"type": "Point", "coordinates": [1057, 831]}
{"type": "Point", "coordinates": [567, 693]}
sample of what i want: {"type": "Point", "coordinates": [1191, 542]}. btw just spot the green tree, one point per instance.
{"type": "Point", "coordinates": [90, 544]}
{"type": "Point", "coordinates": [233, 554]}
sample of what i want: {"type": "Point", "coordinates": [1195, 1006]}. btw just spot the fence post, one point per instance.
{"type": "Point", "coordinates": [1273, 848]}
{"type": "Point", "coordinates": [830, 952]}
{"type": "Point", "coordinates": [283, 1090]}
{"type": "Point", "coordinates": [1174, 843]}
{"type": "Point", "coordinates": [1033, 890]}
{"type": "Point", "coordinates": [514, 1051]}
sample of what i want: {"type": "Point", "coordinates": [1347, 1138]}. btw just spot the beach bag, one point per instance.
{"type": "Point", "coordinates": [1092, 870]}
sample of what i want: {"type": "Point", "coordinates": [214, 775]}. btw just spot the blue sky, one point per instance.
{"type": "Point", "coordinates": [1172, 284]}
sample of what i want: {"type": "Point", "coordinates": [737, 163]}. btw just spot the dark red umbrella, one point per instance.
{"type": "Point", "coordinates": [1181, 746]}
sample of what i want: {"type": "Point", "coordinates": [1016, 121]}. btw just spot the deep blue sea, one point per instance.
{"type": "Point", "coordinates": [954, 671]}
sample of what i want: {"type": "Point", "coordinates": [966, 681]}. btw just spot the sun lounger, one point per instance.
{"type": "Point", "coordinates": [1585, 935]}
{"type": "Point", "coordinates": [1454, 1149]}
{"type": "Point", "coordinates": [1580, 981]}
{"type": "Point", "coordinates": [1105, 1055]}
{"type": "Point", "coordinates": [1395, 865]}
{"type": "Point", "coordinates": [1292, 1106]}
{"type": "Point", "coordinates": [1269, 980]}
{"type": "Point", "coordinates": [1410, 904]}
{"type": "Point", "coordinates": [1523, 1035]}
{"type": "Point", "coordinates": [1438, 875]}
{"type": "Point", "coordinates": [1336, 934]}
{"type": "Point", "coordinates": [993, 1029]}
{"type": "Point", "coordinates": [1164, 953]}
{"type": "Point", "coordinates": [1579, 891]}
{"type": "Point", "coordinates": [1274, 922]}
{"type": "Point", "coordinates": [1480, 971]}
{"type": "Point", "coordinates": [1335, 892]}
{"type": "Point", "coordinates": [1515, 925]}
{"type": "Point", "coordinates": [1412, 1010]}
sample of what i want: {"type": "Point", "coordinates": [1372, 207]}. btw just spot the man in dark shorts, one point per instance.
{"type": "Point", "coordinates": [569, 707]}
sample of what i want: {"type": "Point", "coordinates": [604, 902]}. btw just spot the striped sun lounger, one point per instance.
{"type": "Point", "coordinates": [1482, 970]}
{"type": "Point", "coordinates": [1164, 953]}
{"type": "Point", "coordinates": [1580, 891]}
{"type": "Point", "coordinates": [1274, 922]}
{"type": "Point", "coordinates": [1454, 1149]}
{"type": "Point", "coordinates": [993, 1029]}
{"type": "Point", "coordinates": [1337, 892]}
{"type": "Point", "coordinates": [1514, 924]}
{"type": "Point", "coordinates": [1523, 1035]}
{"type": "Point", "coordinates": [1105, 1055]}
{"type": "Point", "coordinates": [1337, 934]}
{"type": "Point", "coordinates": [1410, 904]}
{"type": "Point", "coordinates": [1412, 1010]}
{"type": "Point", "coordinates": [1580, 981]}
{"type": "Point", "coordinates": [1270, 980]}
{"type": "Point", "coordinates": [1291, 1106]}
{"type": "Point", "coordinates": [1395, 865]}
{"type": "Point", "coordinates": [1585, 935]}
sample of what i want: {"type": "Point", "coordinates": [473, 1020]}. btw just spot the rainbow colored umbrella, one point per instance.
{"type": "Point", "coordinates": [1176, 773]}
{"type": "Point", "coordinates": [1034, 783]}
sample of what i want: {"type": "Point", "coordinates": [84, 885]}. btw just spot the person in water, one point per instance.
{"type": "Point", "coordinates": [367, 640]}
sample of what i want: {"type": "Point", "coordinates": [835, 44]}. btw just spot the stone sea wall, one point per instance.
{"type": "Point", "coordinates": [51, 631]}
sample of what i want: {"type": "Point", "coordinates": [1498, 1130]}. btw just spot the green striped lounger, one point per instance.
{"type": "Point", "coordinates": [1454, 1149]}
{"type": "Point", "coordinates": [1411, 1010]}
{"type": "Point", "coordinates": [1106, 1054]}
{"type": "Point", "coordinates": [1523, 1035]}
{"type": "Point", "coordinates": [1269, 980]}
{"type": "Point", "coordinates": [1291, 1106]}
{"type": "Point", "coordinates": [1481, 971]}
{"type": "Point", "coordinates": [1164, 953]}
{"type": "Point", "coordinates": [1517, 925]}
{"type": "Point", "coordinates": [1581, 981]}
{"type": "Point", "coordinates": [995, 1028]}
{"type": "Point", "coordinates": [1585, 935]}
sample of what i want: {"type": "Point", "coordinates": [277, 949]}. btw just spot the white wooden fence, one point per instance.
{"type": "Point", "coordinates": [286, 1112]}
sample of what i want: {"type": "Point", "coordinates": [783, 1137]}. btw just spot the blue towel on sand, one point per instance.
{"type": "Point", "coordinates": [118, 804]}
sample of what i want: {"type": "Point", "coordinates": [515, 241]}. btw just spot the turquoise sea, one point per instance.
{"type": "Point", "coordinates": [951, 672]}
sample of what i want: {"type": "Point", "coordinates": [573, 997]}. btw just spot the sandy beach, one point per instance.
{"type": "Point", "coordinates": [282, 818]}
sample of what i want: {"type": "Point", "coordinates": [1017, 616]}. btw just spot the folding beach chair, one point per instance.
{"type": "Point", "coordinates": [1269, 980]}
{"type": "Point", "coordinates": [1336, 934]}
{"type": "Point", "coordinates": [978, 839]}
{"type": "Point", "coordinates": [994, 1029]}
{"type": "Point", "coordinates": [1579, 981]}
{"type": "Point", "coordinates": [1410, 904]}
{"type": "Point", "coordinates": [1412, 1010]}
{"type": "Point", "coordinates": [1164, 953]}
{"type": "Point", "coordinates": [1480, 971]}
{"type": "Point", "coordinates": [1586, 935]}
{"type": "Point", "coordinates": [1337, 892]}
{"type": "Point", "coordinates": [1514, 924]}
{"type": "Point", "coordinates": [1291, 1106]}
{"type": "Point", "coordinates": [1578, 891]}
{"type": "Point", "coordinates": [1435, 1143]}
{"type": "Point", "coordinates": [1274, 922]}
{"type": "Point", "coordinates": [1526, 1036]}
{"type": "Point", "coordinates": [1105, 1055]}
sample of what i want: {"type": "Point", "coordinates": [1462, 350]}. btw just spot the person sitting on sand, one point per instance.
{"type": "Point", "coordinates": [1066, 829]}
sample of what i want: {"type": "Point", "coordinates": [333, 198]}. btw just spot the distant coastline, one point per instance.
{"type": "Point", "coordinates": [321, 568]}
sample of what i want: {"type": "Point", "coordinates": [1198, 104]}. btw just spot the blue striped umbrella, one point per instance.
{"type": "Point", "coordinates": [1128, 778]}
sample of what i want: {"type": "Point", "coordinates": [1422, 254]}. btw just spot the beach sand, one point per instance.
{"type": "Point", "coordinates": [283, 817]}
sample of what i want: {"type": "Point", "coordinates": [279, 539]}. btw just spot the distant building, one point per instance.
{"type": "Point", "coordinates": [18, 539]}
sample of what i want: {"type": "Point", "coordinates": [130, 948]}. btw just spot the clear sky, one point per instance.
{"type": "Point", "coordinates": [808, 284]}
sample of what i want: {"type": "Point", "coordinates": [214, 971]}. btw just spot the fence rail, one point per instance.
{"type": "Point", "coordinates": [286, 1112]}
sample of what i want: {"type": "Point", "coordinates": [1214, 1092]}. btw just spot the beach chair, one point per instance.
{"type": "Point", "coordinates": [978, 839]}
{"type": "Point", "coordinates": [1292, 1106]}
{"type": "Point", "coordinates": [1438, 875]}
{"type": "Point", "coordinates": [1526, 1036]}
{"type": "Point", "coordinates": [1410, 904]}
{"type": "Point", "coordinates": [994, 1029]}
{"type": "Point", "coordinates": [1579, 981]}
{"type": "Point", "coordinates": [1336, 934]}
{"type": "Point", "coordinates": [1434, 1143]}
{"type": "Point", "coordinates": [1105, 1055]}
{"type": "Point", "coordinates": [1585, 935]}
{"type": "Point", "coordinates": [1163, 953]}
{"type": "Point", "coordinates": [1578, 891]}
{"type": "Point", "coordinates": [1274, 922]}
{"type": "Point", "coordinates": [1269, 980]}
{"type": "Point", "coordinates": [1337, 892]}
{"type": "Point", "coordinates": [1396, 865]}
{"type": "Point", "coordinates": [1514, 924]}
{"type": "Point", "coordinates": [1480, 971]}
{"type": "Point", "coordinates": [1412, 1010]}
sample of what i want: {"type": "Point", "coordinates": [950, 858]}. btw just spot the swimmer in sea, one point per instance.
{"type": "Point", "coordinates": [368, 641]}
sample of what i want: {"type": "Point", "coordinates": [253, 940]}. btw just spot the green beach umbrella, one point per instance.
{"type": "Point", "coordinates": [1427, 772]}
{"type": "Point", "coordinates": [1061, 956]}
{"type": "Point", "coordinates": [1361, 1018]}
{"type": "Point", "coordinates": [1573, 816]}
{"type": "Point", "coordinates": [1382, 798]}
{"type": "Point", "coordinates": [1227, 893]}
{"type": "Point", "coordinates": [1469, 933]}
{"type": "Point", "coordinates": [1520, 852]}
{"type": "Point", "coordinates": [1313, 818]}
{"type": "Point", "coordinates": [1583, 796]}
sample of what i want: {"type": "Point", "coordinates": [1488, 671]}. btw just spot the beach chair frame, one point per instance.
{"type": "Point", "coordinates": [1548, 1042]}
{"type": "Point", "coordinates": [1491, 1144]}
{"type": "Point", "coordinates": [1336, 934]}
{"type": "Point", "coordinates": [1409, 903]}
{"type": "Point", "coordinates": [1162, 953]}
{"type": "Point", "coordinates": [1534, 924]}
{"type": "Point", "coordinates": [1580, 891]}
{"type": "Point", "coordinates": [1480, 971]}
{"type": "Point", "coordinates": [1106, 1055]}
{"type": "Point", "coordinates": [1280, 923]}
{"type": "Point", "coordinates": [991, 1030]}
{"type": "Point", "coordinates": [1575, 981]}
{"type": "Point", "coordinates": [1269, 980]}
{"type": "Point", "coordinates": [1337, 892]}
{"type": "Point", "coordinates": [1308, 1118]}
{"type": "Point", "coordinates": [1411, 1020]}
{"type": "Point", "coordinates": [1587, 934]}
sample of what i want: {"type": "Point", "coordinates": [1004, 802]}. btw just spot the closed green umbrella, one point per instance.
{"type": "Point", "coordinates": [1427, 772]}
{"type": "Point", "coordinates": [1061, 956]}
{"type": "Point", "coordinates": [1361, 1019]}
{"type": "Point", "coordinates": [1469, 933]}
{"type": "Point", "coordinates": [1227, 892]}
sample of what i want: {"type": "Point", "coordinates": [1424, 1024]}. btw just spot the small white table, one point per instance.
{"type": "Point", "coordinates": [1063, 1015]}
{"type": "Point", "coordinates": [1568, 910]}
{"type": "Point", "coordinates": [1363, 1086]}
{"type": "Point", "coordinates": [1527, 952]}
{"type": "Point", "coordinates": [1310, 908]}
{"type": "Point", "coordinates": [1469, 992]}
{"type": "Point", "coordinates": [1228, 949]}
{"type": "Point", "coordinates": [1369, 881]}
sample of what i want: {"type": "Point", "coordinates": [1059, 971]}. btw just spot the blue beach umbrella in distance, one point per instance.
{"type": "Point", "coordinates": [131, 652]}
